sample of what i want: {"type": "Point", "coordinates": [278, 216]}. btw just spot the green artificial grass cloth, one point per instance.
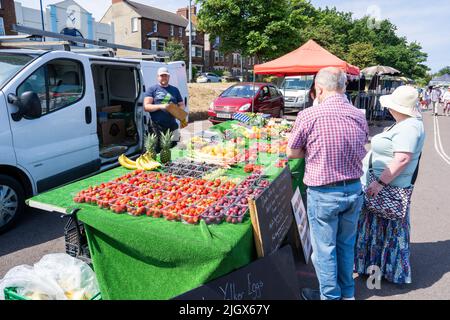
{"type": "Point", "coordinates": [151, 258]}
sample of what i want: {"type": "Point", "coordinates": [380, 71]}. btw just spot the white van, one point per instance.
{"type": "Point", "coordinates": [296, 90]}
{"type": "Point", "coordinates": [64, 116]}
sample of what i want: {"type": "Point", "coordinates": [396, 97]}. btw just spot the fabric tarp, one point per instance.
{"type": "Point", "coordinates": [306, 60]}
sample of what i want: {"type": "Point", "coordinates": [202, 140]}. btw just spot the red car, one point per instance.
{"type": "Point", "coordinates": [247, 97]}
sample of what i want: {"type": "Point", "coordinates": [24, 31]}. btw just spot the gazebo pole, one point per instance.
{"type": "Point", "coordinates": [253, 95]}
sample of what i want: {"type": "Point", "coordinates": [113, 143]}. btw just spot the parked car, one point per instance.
{"type": "Point", "coordinates": [208, 77]}
{"type": "Point", "coordinates": [65, 116]}
{"type": "Point", "coordinates": [247, 97]}
{"type": "Point", "coordinates": [296, 91]}
{"type": "Point", "coordinates": [230, 79]}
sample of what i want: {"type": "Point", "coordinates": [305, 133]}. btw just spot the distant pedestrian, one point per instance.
{"type": "Point", "coordinates": [331, 136]}
{"type": "Point", "coordinates": [446, 99]}
{"type": "Point", "coordinates": [435, 99]}
{"type": "Point", "coordinates": [427, 97]}
{"type": "Point", "coordinates": [383, 242]}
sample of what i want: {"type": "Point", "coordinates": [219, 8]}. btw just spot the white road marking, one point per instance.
{"type": "Point", "coordinates": [438, 142]}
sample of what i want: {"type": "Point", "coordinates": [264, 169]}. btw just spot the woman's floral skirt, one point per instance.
{"type": "Point", "coordinates": [385, 244]}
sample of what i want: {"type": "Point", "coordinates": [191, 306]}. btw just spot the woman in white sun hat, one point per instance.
{"type": "Point", "coordinates": [394, 159]}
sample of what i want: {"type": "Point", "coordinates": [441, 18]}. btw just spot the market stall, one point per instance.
{"type": "Point", "coordinates": [308, 60]}
{"type": "Point", "coordinates": [154, 254]}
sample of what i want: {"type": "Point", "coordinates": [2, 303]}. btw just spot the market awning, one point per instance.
{"type": "Point", "coordinates": [306, 60]}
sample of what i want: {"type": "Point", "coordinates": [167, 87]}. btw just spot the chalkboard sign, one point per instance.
{"type": "Point", "coordinates": [301, 218]}
{"type": "Point", "coordinates": [269, 278]}
{"type": "Point", "coordinates": [272, 214]}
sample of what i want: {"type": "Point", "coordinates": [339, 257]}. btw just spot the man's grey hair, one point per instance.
{"type": "Point", "coordinates": [332, 79]}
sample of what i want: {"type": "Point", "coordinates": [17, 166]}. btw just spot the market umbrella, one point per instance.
{"type": "Point", "coordinates": [380, 70]}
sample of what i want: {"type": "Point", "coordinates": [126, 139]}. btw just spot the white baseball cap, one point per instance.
{"type": "Point", "coordinates": [163, 70]}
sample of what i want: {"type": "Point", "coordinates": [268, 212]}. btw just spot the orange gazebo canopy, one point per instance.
{"type": "Point", "coordinates": [306, 60]}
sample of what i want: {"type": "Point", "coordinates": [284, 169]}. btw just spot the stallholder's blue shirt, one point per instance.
{"type": "Point", "coordinates": [163, 95]}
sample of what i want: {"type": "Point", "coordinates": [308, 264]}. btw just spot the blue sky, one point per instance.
{"type": "Point", "coordinates": [427, 22]}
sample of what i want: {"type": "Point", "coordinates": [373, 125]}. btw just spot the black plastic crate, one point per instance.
{"type": "Point", "coordinates": [76, 240]}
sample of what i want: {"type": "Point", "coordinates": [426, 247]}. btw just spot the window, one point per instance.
{"type": "Point", "coordinates": [153, 45]}
{"type": "Point", "coordinates": [155, 26]}
{"type": "Point", "coordinates": [273, 91]}
{"type": "Point", "coordinates": [161, 45]}
{"type": "Point", "coordinates": [199, 52]}
{"type": "Point", "coordinates": [235, 58]}
{"type": "Point", "coordinates": [222, 57]}
{"type": "Point", "coordinates": [216, 56]}
{"type": "Point", "coordinates": [134, 25]}
{"type": "Point", "coordinates": [2, 26]}
{"type": "Point", "coordinates": [265, 92]}
{"type": "Point", "coordinates": [103, 40]}
{"type": "Point", "coordinates": [58, 84]}
{"type": "Point", "coordinates": [172, 30]}
{"type": "Point", "coordinates": [180, 32]}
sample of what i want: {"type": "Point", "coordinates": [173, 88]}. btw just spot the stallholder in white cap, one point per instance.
{"type": "Point", "coordinates": [163, 70]}
{"type": "Point", "coordinates": [403, 100]}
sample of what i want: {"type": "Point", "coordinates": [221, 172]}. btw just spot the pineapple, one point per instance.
{"type": "Point", "coordinates": [166, 144]}
{"type": "Point", "coordinates": [150, 145]}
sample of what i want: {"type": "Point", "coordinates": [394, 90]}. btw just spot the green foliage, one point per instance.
{"type": "Point", "coordinates": [272, 28]}
{"type": "Point", "coordinates": [176, 51]}
{"type": "Point", "coordinates": [220, 73]}
{"type": "Point", "coordinates": [443, 71]}
{"type": "Point", "coordinates": [362, 54]}
{"type": "Point", "coordinates": [194, 73]}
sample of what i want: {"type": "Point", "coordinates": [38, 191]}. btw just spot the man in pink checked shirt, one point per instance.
{"type": "Point", "coordinates": [331, 137]}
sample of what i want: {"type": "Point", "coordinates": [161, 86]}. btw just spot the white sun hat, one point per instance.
{"type": "Point", "coordinates": [404, 100]}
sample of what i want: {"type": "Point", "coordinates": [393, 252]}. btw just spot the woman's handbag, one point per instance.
{"type": "Point", "coordinates": [391, 203]}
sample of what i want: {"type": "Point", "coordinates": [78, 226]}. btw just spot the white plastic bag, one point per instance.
{"type": "Point", "coordinates": [73, 276]}
{"type": "Point", "coordinates": [55, 277]}
{"type": "Point", "coordinates": [30, 285]}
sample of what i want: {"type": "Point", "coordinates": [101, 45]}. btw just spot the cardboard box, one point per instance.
{"type": "Point", "coordinates": [177, 112]}
{"type": "Point", "coordinates": [113, 131]}
{"type": "Point", "coordinates": [111, 109]}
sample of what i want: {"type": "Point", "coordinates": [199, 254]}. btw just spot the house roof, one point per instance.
{"type": "Point", "coordinates": [445, 77]}
{"type": "Point", "coordinates": [156, 14]}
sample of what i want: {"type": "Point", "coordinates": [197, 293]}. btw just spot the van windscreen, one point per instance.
{"type": "Point", "coordinates": [10, 64]}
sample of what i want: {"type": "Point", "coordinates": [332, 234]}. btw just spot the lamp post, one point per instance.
{"type": "Point", "coordinates": [42, 19]}
{"type": "Point", "coordinates": [190, 42]}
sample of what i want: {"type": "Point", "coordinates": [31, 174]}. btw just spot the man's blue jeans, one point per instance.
{"type": "Point", "coordinates": [333, 214]}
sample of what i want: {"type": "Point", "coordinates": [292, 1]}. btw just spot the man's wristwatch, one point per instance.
{"type": "Point", "coordinates": [381, 182]}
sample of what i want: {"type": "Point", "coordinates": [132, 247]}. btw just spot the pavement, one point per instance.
{"type": "Point", "coordinates": [39, 233]}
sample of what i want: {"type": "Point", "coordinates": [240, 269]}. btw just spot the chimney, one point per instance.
{"type": "Point", "coordinates": [184, 12]}
{"type": "Point", "coordinates": [117, 1]}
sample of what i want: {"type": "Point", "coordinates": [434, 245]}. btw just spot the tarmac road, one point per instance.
{"type": "Point", "coordinates": [40, 233]}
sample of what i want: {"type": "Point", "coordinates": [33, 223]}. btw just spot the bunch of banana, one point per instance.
{"type": "Point", "coordinates": [144, 162]}
{"type": "Point", "coordinates": [127, 163]}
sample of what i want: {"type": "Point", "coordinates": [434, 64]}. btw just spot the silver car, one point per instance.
{"type": "Point", "coordinates": [208, 77]}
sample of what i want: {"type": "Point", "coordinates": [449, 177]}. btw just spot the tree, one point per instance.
{"type": "Point", "coordinates": [252, 27]}
{"type": "Point", "coordinates": [176, 51]}
{"type": "Point", "coordinates": [443, 71]}
{"type": "Point", "coordinates": [362, 54]}
{"type": "Point", "coordinates": [269, 29]}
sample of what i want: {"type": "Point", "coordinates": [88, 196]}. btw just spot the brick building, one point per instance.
{"type": "Point", "coordinates": [143, 26]}
{"type": "Point", "coordinates": [7, 17]}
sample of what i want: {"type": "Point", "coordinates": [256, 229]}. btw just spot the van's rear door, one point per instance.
{"type": "Point", "coordinates": [62, 145]}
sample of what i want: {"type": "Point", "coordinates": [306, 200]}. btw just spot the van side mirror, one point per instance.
{"type": "Point", "coordinates": [29, 106]}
